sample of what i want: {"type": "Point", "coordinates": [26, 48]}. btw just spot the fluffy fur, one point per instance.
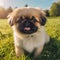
{"type": "Point", "coordinates": [29, 42]}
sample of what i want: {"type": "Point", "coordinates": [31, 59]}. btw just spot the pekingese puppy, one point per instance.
{"type": "Point", "coordinates": [28, 27]}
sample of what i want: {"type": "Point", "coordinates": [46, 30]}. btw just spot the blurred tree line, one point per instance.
{"type": "Point", "coordinates": [53, 11]}
{"type": "Point", "coordinates": [4, 12]}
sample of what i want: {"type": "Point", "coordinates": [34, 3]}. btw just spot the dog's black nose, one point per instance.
{"type": "Point", "coordinates": [27, 23]}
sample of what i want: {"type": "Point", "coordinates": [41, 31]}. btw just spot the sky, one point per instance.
{"type": "Point", "coordinates": [44, 4]}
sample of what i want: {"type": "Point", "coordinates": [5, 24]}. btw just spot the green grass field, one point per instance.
{"type": "Point", "coordinates": [51, 50]}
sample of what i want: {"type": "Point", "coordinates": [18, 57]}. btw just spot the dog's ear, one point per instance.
{"type": "Point", "coordinates": [13, 17]}
{"type": "Point", "coordinates": [43, 18]}
{"type": "Point", "coordinates": [10, 20]}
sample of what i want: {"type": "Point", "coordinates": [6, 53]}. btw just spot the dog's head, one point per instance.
{"type": "Point", "coordinates": [27, 20]}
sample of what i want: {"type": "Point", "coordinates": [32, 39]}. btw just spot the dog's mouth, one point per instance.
{"type": "Point", "coordinates": [27, 27]}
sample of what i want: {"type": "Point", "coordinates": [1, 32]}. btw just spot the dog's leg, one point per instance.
{"type": "Point", "coordinates": [19, 51]}
{"type": "Point", "coordinates": [38, 51]}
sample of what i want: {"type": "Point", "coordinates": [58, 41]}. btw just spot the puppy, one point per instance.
{"type": "Point", "coordinates": [28, 27]}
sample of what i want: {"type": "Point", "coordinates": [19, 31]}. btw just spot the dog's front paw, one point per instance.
{"type": "Point", "coordinates": [19, 51]}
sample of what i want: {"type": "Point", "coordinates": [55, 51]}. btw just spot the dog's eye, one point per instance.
{"type": "Point", "coordinates": [33, 19]}
{"type": "Point", "coordinates": [19, 21]}
{"type": "Point", "coordinates": [21, 17]}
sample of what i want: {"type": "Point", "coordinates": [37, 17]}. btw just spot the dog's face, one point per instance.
{"type": "Point", "coordinates": [27, 20]}
{"type": "Point", "coordinates": [27, 25]}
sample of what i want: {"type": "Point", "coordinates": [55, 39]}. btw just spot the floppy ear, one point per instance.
{"type": "Point", "coordinates": [10, 20]}
{"type": "Point", "coordinates": [13, 17]}
{"type": "Point", "coordinates": [43, 18]}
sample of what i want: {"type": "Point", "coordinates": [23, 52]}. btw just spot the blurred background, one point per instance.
{"type": "Point", "coordinates": [51, 7]}
{"type": "Point", "coordinates": [51, 50]}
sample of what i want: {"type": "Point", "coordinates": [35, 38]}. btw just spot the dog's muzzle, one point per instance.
{"type": "Point", "coordinates": [27, 27]}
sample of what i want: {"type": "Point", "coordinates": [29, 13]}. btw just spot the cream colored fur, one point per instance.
{"type": "Point", "coordinates": [28, 41]}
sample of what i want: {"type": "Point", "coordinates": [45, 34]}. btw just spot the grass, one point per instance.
{"type": "Point", "coordinates": [51, 50]}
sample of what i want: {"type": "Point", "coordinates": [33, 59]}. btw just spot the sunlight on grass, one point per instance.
{"type": "Point", "coordinates": [51, 50]}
